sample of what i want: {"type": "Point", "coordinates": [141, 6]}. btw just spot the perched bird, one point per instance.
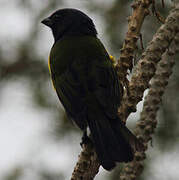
{"type": "Point", "coordinates": [87, 85]}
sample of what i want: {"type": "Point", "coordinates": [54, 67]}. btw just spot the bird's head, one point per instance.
{"type": "Point", "coordinates": [70, 22]}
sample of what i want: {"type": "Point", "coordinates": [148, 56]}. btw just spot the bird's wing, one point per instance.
{"type": "Point", "coordinates": [86, 71]}
{"type": "Point", "coordinates": [97, 78]}
{"type": "Point", "coordinates": [104, 85]}
{"type": "Point", "coordinates": [83, 77]}
{"type": "Point", "coordinates": [71, 92]}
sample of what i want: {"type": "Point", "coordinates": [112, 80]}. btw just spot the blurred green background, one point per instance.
{"type": "Point", "coordinates": [36, 139]}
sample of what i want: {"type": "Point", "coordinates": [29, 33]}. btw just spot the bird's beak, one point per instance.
{"type": "Point", "coordinates": [47, 22]}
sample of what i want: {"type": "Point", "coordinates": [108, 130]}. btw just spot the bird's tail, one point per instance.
{"type": "Point", "coordinates": [112, 140]}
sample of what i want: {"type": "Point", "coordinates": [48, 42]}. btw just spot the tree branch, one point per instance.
{"type": "Point", "coordinates": [147, 64]}
{"type": "Point", "coordinates": [87, 166]}
{"type": "Point", "coordinates": [147, 123]}
{"type": "Point", "coordinates": [140, 11]}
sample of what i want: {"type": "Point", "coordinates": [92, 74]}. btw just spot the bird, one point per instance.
{"type": "Point", "coordinates": [88, 86]}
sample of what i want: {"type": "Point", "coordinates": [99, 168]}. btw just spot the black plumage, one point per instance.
{"type": "Point", "coordinates": [87, 85]}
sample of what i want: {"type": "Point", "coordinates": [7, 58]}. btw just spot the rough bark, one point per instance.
{"type": "Point", "coordinates": [147, 123]}
{"type": "Point", "coordinates": [135, 21]}
{"type": "Point", "coordinates": [146, 66]}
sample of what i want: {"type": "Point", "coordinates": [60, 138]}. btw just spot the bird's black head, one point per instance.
{"type": "Point", "coordinates": [70, 22]}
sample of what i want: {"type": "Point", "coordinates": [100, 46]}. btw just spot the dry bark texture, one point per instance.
{"type": "Point", "coordinates": [135, 21]}
{"type": "Point", "coordinates": [87, 166]}
{"type": "Point", "coordinates": [148, 63]}
{"type": "Point", "coordinates": [147, 123]}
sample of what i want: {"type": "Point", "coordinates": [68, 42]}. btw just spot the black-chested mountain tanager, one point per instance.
{"type": "Point", "coordinates": [87, 85]}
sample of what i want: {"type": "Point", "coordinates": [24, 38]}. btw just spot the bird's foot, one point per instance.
{"type": "Point", "coordinates": [85, 139]}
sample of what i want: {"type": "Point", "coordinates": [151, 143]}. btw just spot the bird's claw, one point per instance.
{"type": "Point", "coordinates": [85, 139]}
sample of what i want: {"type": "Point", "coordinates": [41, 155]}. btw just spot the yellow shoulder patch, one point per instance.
{"type": "Point", "coordinates": [50, 72]}
{"type": "Point", "coordinates": [113, 60]}
{"type": "Point", "coordinates": [49, 64]}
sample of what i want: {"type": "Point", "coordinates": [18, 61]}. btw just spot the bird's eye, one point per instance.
{"type": "Point", "coordinates": [56, 16]}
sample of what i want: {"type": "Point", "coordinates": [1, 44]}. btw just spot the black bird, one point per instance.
{"type": "Point", "coordinates": [87, 85]}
